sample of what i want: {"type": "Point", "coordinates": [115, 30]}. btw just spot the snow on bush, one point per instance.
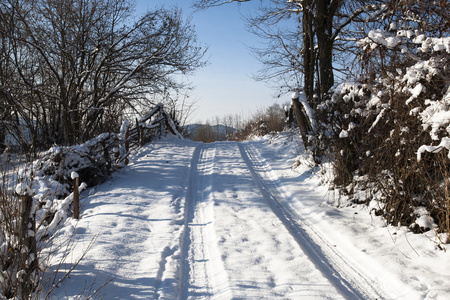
{"type": "Point", "coordinates": [381, 126]}
{"type": "Point", "coordinates": [445, 144]}
{"type": "Point", "coordinates": [22, 189]}
{"type": "Point", "coordinates": [50, 179]}
{"type": "Point", "coordinates": [432, 56]}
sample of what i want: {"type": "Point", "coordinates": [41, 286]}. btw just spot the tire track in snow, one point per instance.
{"type": "Point", "coordinates": [262, 258]}
{"type": "Point", "coordinates": [202, 273]}
{"type": "Point", "coordinates": [184, 268]}
{"type": "Point", "coordinates": [347, 279]}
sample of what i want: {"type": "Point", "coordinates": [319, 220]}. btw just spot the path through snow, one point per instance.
{"type": "Point", "coordinates": [235, 246]}
{"type": "Point", "coordinates": [218, 221]}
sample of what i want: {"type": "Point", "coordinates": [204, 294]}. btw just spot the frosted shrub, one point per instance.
{"type": "Point", "coordinates": [47, 186]}
{"type": "Point", "coordinates": [388, 118]}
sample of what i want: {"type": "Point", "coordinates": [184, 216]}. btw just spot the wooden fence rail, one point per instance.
{"type": "Point", "coordinates": [152, 124]}
{"type": "Point", "coordinates": [96, 159]}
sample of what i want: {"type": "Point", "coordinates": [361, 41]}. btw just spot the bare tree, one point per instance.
{"type": "Point", "coordinates": [302, 37]}
{"type": "Point", "coordinates": [274, 118]}
{"type": "Point", "coordinates": [78, 64]}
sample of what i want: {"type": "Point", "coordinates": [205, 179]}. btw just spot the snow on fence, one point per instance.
{"type": "Point", "coordinates": [43, 194]}
{"type": "Point", "coordinates": [61, 169]}
{"type": "Point", "coordinates": [154, 123]}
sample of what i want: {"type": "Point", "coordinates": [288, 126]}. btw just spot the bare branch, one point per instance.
{"type": "Point", "coordinates": [204, 4]}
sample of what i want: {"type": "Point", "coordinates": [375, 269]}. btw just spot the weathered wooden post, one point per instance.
{"type": "Point", "coordinates": [124, 142]}
{"type": "Point", "coordinates": [127, 145]}
{"type": "Point", "coordinates": [161, 122]}
{"type": "Point", "coordinates": [140, 131]}
{"type": "Point", "coordinates": [28, 261]}
{"type": "Point", "coordinates": [106, 153]}
{"type": "Point", "coordinates": [301, 118]}
{"type": "Point", "coordinates": [76, 195]}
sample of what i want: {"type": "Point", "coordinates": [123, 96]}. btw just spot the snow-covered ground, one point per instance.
{"type": "Point", "coordinates": [230, 220]}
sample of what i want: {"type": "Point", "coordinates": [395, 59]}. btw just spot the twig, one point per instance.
{"type": "Point", "coordinates": [406, 237]}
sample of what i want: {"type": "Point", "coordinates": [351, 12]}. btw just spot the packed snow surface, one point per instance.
{"type": "Point", "coordinates": [230, 220]}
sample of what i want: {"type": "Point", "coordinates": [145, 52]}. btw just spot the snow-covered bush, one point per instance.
{"type": "Point", "coordinates": [48, 184]}
{"type": "Point", "coordinates": [396, 112]}
{"type": "Point", "coordinates": [52, 180]}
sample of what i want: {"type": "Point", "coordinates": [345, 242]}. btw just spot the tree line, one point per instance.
{"type": "Point", "coordinates": [230, 127]}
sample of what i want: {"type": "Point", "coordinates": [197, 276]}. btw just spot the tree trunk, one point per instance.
{"type": "Point", "coordinates": [301, 120]}
{"type": "Point", "coordinates": [326, 9]}
{"type": "Point", "coordinates": [308, 51]}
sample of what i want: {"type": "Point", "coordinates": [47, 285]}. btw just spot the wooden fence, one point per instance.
{"type": "Point", "coordinates": [153, 124]}
{"type": "Point", "coordinates": [66, 167]}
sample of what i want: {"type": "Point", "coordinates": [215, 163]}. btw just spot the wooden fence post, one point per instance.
{"type": "Point", "coordinates": [161, 122]}
{"type": "Point", "coordinates": [76, 195]}
{"type": "Point", "coordinates": [28, 262]}
{"type": "Point", "coordinates": [140, 132]}
{"type": "Point", "coordinates": [127, 145]}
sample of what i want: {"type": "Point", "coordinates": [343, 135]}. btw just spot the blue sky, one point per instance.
{"type": "Point", "coordinates": [225, 86]}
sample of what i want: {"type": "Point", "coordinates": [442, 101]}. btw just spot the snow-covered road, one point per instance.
{"type": "Point", "coordinates": [216, 221]}
{"type": "Point", "coordinates": [235, 245]}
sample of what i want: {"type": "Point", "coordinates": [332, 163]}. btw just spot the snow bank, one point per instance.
{"type": "Point", "coordinates": [392, 252]}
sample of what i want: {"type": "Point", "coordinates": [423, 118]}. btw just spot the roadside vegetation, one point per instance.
{"type": "Point", "coordinates": [236, 128]}
{"type": "Point", "coordinates": [372, 87]}
{"type": "Point", "coordinates": [76, 78]}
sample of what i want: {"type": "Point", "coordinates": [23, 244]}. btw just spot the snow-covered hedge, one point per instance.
{"type": "Point", "coordinates": [48, 184]}
{"type": "Point", "coordinates": [51, 176]}
{"type": "Point", "coordinates": [383, 126]}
